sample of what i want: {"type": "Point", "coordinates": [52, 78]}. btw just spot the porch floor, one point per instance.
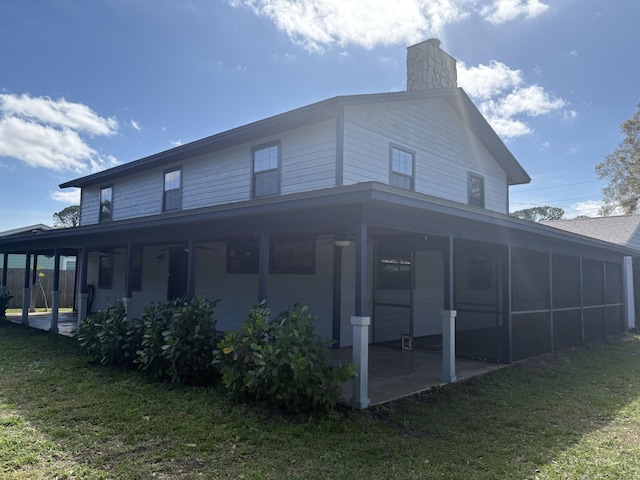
{"type": "Point", "coordinates": [393, 373]}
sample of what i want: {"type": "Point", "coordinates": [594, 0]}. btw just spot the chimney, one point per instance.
{"type": "Point", "coordinates": [430, 67]}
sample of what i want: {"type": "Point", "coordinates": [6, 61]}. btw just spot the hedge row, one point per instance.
{"type": "Point", "coordinates": [280, 360]}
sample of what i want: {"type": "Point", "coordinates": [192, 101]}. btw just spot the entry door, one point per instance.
{"type": "Point", "coordinates": [177, 282]}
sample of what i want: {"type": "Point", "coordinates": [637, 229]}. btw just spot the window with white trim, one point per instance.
{"type": "Point", "coordinates": [402, 164]}
{"type": "Point", "coordinates": [106, 204]}
{"type": "Point", "coordinates": [266, 170]}
{"type": "Point", "coordinates": [172, 197]}
{"type": "Point", "coordinates": [476, 190]}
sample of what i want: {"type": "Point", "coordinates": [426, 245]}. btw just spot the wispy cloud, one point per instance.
{"type": "Point", "coordinates": [53, 134]}
{"type": "Point", "coordinates": [71, 196]}
{"type": "Point", "coordinates": [136, 125]}
{"type": "Point", "coordinates": [318, 24]}
{"type": "Point", "coordinates": [504, 97]}
{"type": "Point", "coordinates": [501, 11]}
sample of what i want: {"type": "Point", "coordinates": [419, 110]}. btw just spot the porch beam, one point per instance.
{"type": "Point", "coordinates": [26, 291]}
{"type": "Point", "coordinates": [55, 293]}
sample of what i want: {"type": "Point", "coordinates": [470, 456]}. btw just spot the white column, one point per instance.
{"type": "Point", "coordinates": [627, 289]}
{"type": "Point", "coordinates": [82, 307]}
{"type": "Point", "coordinates": [55, 305]}
{"type": "Point", "coordinates": [449, 345]}
{"type": "Point", "coordinates": [26, 303]}
{"type": "Point", "coordinates": [360, 395]}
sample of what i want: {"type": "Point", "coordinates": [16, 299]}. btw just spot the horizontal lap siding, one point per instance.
{"type": "Point", "coordinates": [308, 163]}
{"type": "Point", "coordinates": [445, 149]}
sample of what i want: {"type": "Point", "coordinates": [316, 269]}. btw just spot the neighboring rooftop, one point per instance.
{"type": "Point", "coordinates": [621, 229]}
{"type": "Point", "coordinates": [40, 227]}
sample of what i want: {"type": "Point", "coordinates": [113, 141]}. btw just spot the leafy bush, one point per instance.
{"type": "Point", "coordinates": [106, 336]}
{"type": "Point", "coordinates": [281, 361]}
{"type": "Point", "coordinates": [4, 303]}
{"type": "Point", "coordinates": [178, 340]}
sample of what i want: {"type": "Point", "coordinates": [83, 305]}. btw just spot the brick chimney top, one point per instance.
{"type": "Point", "coordinates": [430, 67]}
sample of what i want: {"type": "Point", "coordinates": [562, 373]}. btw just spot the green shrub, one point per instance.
{"type": "Point", "coordinates": [4, 303]}
{"type": "Point", "coordinates": [178, 341]}
{"type": "Point", "coordinates": [281, 361]}
{"type": "Point", "coordinates": [106, 336]}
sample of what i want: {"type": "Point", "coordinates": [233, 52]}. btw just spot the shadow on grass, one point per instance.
{"type": "Point", "coordinates": [551, 417]}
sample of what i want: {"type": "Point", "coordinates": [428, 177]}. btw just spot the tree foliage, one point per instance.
{"type": "Point", "coordinates": [67, 217]}
{"type": "Point", "coordinates": [622, 170]}
{"type": "Point", "coordinates": [540, 214]}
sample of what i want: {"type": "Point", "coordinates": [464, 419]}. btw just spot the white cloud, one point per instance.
{"type": "Point", "coordinates": [589, 208]}
{"type": "Point", "coordinates": [71, 197]}
{"type": "Point", "coordinates": [503, 97]}
{"type": "Point", "coordinates": [48, 133]}
{"type": "Point", "coordinates": [177, 143]}
{"type": "Point", "coordinates": [136, 125]}
{"type": "Point", "coordinates": [317, 24]}
{"type": "Point", "coordinates": [501, 11]}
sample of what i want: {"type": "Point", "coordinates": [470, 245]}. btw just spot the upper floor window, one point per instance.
{"type": "Point", "coordinates": [266, 170]}
{"type": "Point", "coordinates": [172, 197]}
{"type": "Point", "coordinates": [402, 168]}
{"type": "Point", "coordinates": [476, 190]}
{"type": "Point", "coordinates": [106, 204]}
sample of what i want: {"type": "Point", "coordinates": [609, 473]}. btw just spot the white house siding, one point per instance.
{"type": "Point", "coordinates": [307, 163]}
{"type": "Point", "coordinates": [445, 150]}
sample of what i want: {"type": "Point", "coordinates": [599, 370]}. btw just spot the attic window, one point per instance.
{"type": "Point", "coordinates": [266, 170]}
{"type": "Point", "coordinates": [476, 190]}
{"type": "Point", "coordinates": [172, 199]}
{"type": "Point", "coordinates": [106, 204]}
{"type": "Point", "coordinates": [402, 168]}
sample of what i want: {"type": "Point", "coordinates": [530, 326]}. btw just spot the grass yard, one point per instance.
{"type": "Point", "coordinates": [570, 415]}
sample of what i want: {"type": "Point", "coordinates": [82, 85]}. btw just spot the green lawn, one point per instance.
{"type": "Point", "coordinates": [572, 415]}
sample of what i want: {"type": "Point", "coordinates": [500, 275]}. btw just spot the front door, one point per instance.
{"type": "Point", "coordinates": [177, 281]}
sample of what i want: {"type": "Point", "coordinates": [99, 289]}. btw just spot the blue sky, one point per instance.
{"type": "Point", "coordinates": [85, 85]}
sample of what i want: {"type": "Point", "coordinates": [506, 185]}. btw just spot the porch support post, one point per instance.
{"type": "Point", "coordinates": [83, 295]}
{"type": "Point", "coordinates": [551, 327]}
{"type": "Point", "coordinates": [360, 390]}
{"type": "Point", "coordinates": [34, 279]}
{"type": "Point", "coordinates": [26, 291]}
{"type": "Point", "coordinates": [5, 265]}
{"type": "Point", "coordinates": [507, 352]}
{"type": "Point", "coordinates": [627, 289]}
{"type": "Point", "coordinates": [449, 345]}
{"type": "Point", "coordinates": [449, 320]}
{"type": "Point", "coordinates": [191, 269]}
{"type": "Point", "coordinates": [337, 295]}
{"type": "Point", "coordinates": [128, 280]}
{"type": "Point", "coordinates": [581, 303]}
{"type": "Point", "coordinates": [263, 267]}
{"type": "Point", "coordinates": [55, 294]}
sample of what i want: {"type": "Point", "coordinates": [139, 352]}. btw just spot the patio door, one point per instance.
{"type": "Point", "coordinates": [177, 280]}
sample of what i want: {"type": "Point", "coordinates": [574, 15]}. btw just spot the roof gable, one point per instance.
{"type": "Point", "coordinates": [309, 115]}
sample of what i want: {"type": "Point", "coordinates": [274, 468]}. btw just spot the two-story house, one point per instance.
{"type": "Point", "coordinates": [386, 214]}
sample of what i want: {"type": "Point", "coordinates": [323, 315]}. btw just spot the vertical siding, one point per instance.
{"type": "Point", "coordinates": [445, 149]}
